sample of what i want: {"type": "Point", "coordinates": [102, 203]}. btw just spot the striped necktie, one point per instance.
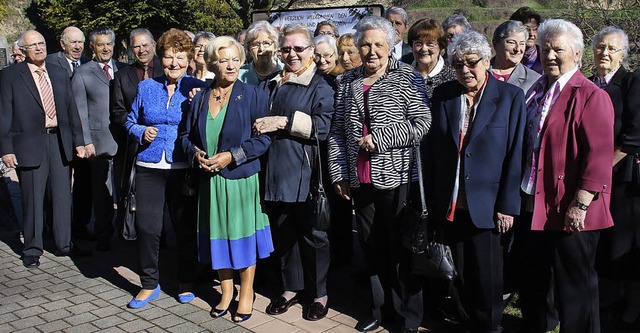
{"type": "Point", "coordinates": [47, 94]}
{"type": "Point", "coordinates": [106, 71]}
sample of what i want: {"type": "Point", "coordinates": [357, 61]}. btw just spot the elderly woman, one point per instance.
{"type": "Point", "coordinates": [567, 176]}
{"type": "Point", "coordinates": [622, 244]}
{"type": "Point", "coordinates": [301, 103]}
{"type": "Point", "coordinates": [381, 111]}
{"type": "Point", "coordinates": [474, 163]}
{"type": "Point", "coordinates": [348, 54]}
{"type": "Point", "coordinates": [326, 55]}
{"type": "Point", "coordinates": [200, 41]}
{"type": "Point", "coordinates": [509, 41]}
{"type": "Point", "coordinates": [428, 42]}
{"type": "Point", "coordinates": [455, 24]}
{"type": "Point", "coordinates": [233, 230]}
{"type": "Point", "coordinates": [531, 19]}
{"type": "Point", "coordinates": [326, 28]}
{"type": "Point", "coordinates": [160, 105]}
{"type": "Point", "coordinates": [262, 43]}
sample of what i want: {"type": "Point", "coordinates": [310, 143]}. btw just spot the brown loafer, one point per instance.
{"type": "Point", "coordinates": [281, 305]}
{"type": "Point", "coordinates": [317, 311]}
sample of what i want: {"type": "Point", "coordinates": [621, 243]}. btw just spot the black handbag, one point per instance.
{"type": "Point", "coordinates": [318, 198]}
{"type": "Point", "coordinates": [436, 262]}
{"type": "Point", "coordinates": [129, 207]}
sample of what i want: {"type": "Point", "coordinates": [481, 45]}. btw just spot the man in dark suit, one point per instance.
{"type": "Point", "coordinates": [124, 90]}
{"type": "Point", "coordinates": [39, 128]}
{"type": "Point", "coordinates": [400, 21]}
{"type": "Point", "coordinates": [90, 84]}
{"type": "Point", "coordinates": [72, 44]}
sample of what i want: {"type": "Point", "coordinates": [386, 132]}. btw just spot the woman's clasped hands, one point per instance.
{"type": "Point", "coordinates": [214, 163]}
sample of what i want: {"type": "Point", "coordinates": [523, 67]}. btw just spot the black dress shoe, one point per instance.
{"type": "Point", "coordinates": [281, 305]}
{"type": "Point", "coordinates": [367, 325]}
{"type": "Point", "coordinates": [74, 252]}
{"type": "Point", "coordinates": [317, 311]}
{"type": "Point", "coordinates": [31, 261]}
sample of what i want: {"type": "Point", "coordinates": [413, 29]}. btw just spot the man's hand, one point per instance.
{"type": "Point", "coordinates": [342, 189]}
{"type": "Point", "coordinates": [10, 161]}
{"type": "Point", "coordinates": [81, 152]}
{"type": "Point", "coordinates": [150, 134]}
{"type": "Point", "coordinates": [90, 151]}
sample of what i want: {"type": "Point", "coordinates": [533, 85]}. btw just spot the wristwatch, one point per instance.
{"type": "Point", "coordinates": [580, 205]}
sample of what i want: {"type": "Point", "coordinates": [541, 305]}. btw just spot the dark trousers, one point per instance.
{"type": "Point", "coordinates": [154, 188]}
{"type": "Point", "coordinates": [102, 199]}
{"type": "Point", "coordinates": [302, 251]}
{"type": "Point", "coordinates": [567, 259]}
{"type": "Point", "coordinates": [478, 256]}
{"type": "Point", "coordinates": [122, 164]}
{"type": "Point", "coordinates": [53, 179]}
{"type": "Point", "coordinates": [387, 262]}
{"type": "Point", "coordinates": [82, 196]}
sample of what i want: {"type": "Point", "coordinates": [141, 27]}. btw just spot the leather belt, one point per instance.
{"type": "Point", "coordinates": [51, 130]}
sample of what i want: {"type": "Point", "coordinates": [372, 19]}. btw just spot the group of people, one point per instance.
{"type": "Point", "coordinates": [531, 169]}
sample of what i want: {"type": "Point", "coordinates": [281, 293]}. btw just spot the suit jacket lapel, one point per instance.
{"type": "Point", "coordinates": [486, 108]}
{"type": "Point", "coordinates": [132, 74]}
{"type": "Point", "coordinates": [234, 100]}
{"type": "Point", "coordinates": [452, 111]}
{"type": "Point", "coordinates": [561, 104]}
{"type": "Point", "coordinates": [31, 84]}
{"type": "Point", "coordinates": [202, 115]}
{"type": "Point", "coordinates": [99, 72]}
{"type": "Point", "coordinates": [58, 91]}
{"type": "Point", "coordinates": [518, 76]}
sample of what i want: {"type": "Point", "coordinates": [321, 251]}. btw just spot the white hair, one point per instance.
{"type": "Point", "coordinates": [373, 23]}
{"type": "Point", "coordinates": [558, 27]}
{"type": "Point", "coordinates": [468, 42]}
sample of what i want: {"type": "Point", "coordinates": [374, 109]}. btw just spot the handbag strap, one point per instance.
{"type": "Point", "coordinates": [416, 149]}
{"type": "Point", "coordinates": [320, 185]}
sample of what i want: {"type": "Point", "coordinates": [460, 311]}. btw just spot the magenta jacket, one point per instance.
{"type": "Point", "coordinates": [576, 152]}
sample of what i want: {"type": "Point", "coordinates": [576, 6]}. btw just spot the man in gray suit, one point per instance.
{"type": "Point", "coordinates": [90, 84]}
{"type": "Point", "coordinates": [72, 44]}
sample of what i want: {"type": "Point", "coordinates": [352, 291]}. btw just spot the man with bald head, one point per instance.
{"type": "Point", "coordinates": [71, 57]}
{"type": "Point", "coordinates": [39, 128]}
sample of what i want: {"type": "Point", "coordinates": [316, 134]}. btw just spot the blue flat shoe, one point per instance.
{"type": "Point", "coordinates": [186, 297]}
{"type": "Point", "coordinates": [138, 303]}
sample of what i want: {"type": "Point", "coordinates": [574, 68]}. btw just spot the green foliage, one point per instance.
{"type": "Point", "coordinates": [3, 8]}
{"type": "Point", "coordinates": [213, 15]}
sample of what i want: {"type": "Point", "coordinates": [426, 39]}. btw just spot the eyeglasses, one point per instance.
{"type": "Point", "coordinates": [296, 49]}
{"type": "Point", "coordinates": [34, 45]}
{"type": "Point", "coordinates": [611, 50]}
{"type": "Point", "coordinates": [419, 44]}
{"type": "Point", "coordinates": [330, 33]}
{"type": "Point", "coordinates": [265, 44]}
{"type": "Point", "coordinates": [468, 63]}
{"type": "Point", "coordinates": [318, 56]}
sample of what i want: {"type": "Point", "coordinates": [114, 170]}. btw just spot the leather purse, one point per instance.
{"type": "Point", "coordinates": [415, 220]}
{"type": "Point", "coordinates": [436, 262]}
{"type": "Point", "coordinates": [318, 198]}
{"type": "Point", "coordinates": [129, 207]}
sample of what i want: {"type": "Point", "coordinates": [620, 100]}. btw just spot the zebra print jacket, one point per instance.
{"type": "Point", "coordinates": [399, 116]}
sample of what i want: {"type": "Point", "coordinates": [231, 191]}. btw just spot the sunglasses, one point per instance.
{"type": "Point", "coordinates": [296, 49]}
{"type": "Point", "coordinates": [468, 63]}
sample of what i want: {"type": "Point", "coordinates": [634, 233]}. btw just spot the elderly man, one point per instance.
{"type": "Point", "coordinates": [400, 21]}
{"type": "Point", "coordinates": [124, 90]}
{"type": "Point", "coordinates": [90, 84]}
{"type": "Point", "coordinates": [39, 128]}
{"type": "Point", "coordinates": [16, 53]}
{"type": "Point", "coordinates": [72, 44]}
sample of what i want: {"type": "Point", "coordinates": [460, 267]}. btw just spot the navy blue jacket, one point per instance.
{"type": "Point", "coordinates": [492, 158]}
{"type": "Point", "coordinates": [246, 104]}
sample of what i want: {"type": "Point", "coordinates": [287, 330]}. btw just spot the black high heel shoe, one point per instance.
{"type": "Point", "coordinates": [240, 317]}
{"type": "Point", "coordinates": [217, 313]}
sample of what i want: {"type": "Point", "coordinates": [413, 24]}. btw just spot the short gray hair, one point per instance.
{"type": "Point", "coordinates": [558, 27]}
{"type": "Point", "coordinates": [373, 23]}
{"type": "Point", "coordinates": [468, 42]}
{"type": "Point", "coordinates": [456, 20]}
{"type": "Point", "coordinates": [261, 26]}
{"type": "Point", "coordinates": [296, 28]}
{"type": "Point", "coordinates": [613, 30]}
{"type": "Point", "coordinates": [507, 28]}
{"type": "Point", "coordinates": [326, 39]}
{"type": "Point", "coordinates": [101, 31]}
{"type": "Point", "coordinates": [140, 31]}
{"type": "Point", "coordinates": [399, 11]}
{"type": "Point", "coordinates": [203, 34]}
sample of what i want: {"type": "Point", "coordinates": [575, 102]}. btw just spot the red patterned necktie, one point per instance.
{"type": "Point", "coordinates": [47, 94]}
{"type": "Point", "coordinates": [106, 71]}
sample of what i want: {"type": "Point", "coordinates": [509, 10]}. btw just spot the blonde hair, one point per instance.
{"type": "Point", "coordinates": [212, 50]}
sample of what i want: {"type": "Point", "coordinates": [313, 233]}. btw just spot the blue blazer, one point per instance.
{"type": "Point", "coordinates": [491, 165]}
{"type": "Point", "coordinates": [246, 104]}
